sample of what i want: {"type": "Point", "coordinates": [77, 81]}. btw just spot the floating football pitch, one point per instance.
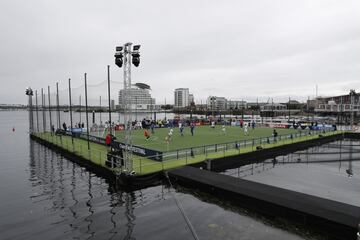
{"type": "Point", "coordinates": [203, 135]}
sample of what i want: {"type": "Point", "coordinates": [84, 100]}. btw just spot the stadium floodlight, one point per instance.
{"type": "Point", "coordinates": [29, 92]}
{"type": "Point", "coordinates": [118, 58]}
{"type": "Point", "coordinates": [125, 55]}
{"type": "Point", "coordinates": [136, 59]}
{"type": "Point", "coordinates": [136, 47]}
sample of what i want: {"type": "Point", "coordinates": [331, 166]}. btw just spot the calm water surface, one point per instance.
{"type": "Point", "coordinates": [45, 196]}
{"type": "Point", "coordinates": [330, 171]}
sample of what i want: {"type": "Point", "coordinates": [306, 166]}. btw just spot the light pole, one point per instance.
{"type": "Point", "coordinates": [124, 55]}
{"type": "Point", "coordinates": [29, 92]}
{"type": "Point", "coordinates": [100, 112]}
{"type": "Point", "coordinates": [212, 104]}
{"type": "Point", "coordinates": [136, 108]}
{"type": "Point", "coordinates": [165, 109]}
{"type": "Point", "coordinates": [352, 93]}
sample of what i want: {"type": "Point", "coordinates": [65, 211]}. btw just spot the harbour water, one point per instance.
{"type": "Point", "coordinates": [45, 196]}
{"type": "Point", "coordinates": [329, 171]}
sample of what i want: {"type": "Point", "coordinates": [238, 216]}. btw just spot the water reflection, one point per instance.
{"type": "Point", "coordinates": [338, 152]}
{"type": "Point", "coordinates": [330, 171]}
{"type": "Point", "coordinates": [86, 204]}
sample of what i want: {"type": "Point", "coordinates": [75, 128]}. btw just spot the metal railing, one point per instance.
{"type": "Point", "coordinates": [181, 157]}
{"type": "Point", "coordinates": [248, 144]}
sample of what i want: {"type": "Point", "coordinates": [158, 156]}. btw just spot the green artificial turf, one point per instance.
{"type": "Point", "coordinates": [143, 165]}
{"type": "Point", "coordinates": [203, 135]}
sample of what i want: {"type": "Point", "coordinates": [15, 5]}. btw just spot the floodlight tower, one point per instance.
{"type": "Point", "coordinates": [124, 55]}
{"type": "Point", "coordinates": [29, 92]}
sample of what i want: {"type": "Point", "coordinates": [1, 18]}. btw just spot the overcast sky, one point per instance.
{"type": "Point", "coordinates": [236, 49]}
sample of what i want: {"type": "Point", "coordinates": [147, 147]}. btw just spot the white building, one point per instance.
{"type": "Point", "coordinates": [234, 104]}
{"type": "Point", "coordinates": [191, 99]}
{"type": "Point", "coordinates": [140, 99]}
{"type": "Point", "coordinates": [181, 98]}
{"type": "Point", "coordinates": [216, 103]}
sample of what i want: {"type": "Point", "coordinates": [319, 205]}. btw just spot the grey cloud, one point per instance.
{"type": "Point", "coordinates": [238, 49]}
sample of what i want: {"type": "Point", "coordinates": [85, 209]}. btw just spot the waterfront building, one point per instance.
{"type": "Point", "coordinates": [233, 104]}
{"type": "Point", "coordinates": [140, 99]}
{"type": "Point", "coordinates": [341, 103]}
{"type": "Point", "coordinates": [191, 99]}
{"type": "Point", "coordinates": [181, 98]}
{"type": "Point", "coordinates": [273, 110]}
{"type": "Point", "coordinates": [342, 106]}
{"type": "Point", "coordinates": [216, 103]}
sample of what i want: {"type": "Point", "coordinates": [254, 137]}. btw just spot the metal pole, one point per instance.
{"type": "Point", "coordinates": [57, 105]}
{"type": "Point", "coordinates": [80, 110]}
{"type": "Point", "coordinates": [242, 109]}
{"type": "Point", "coordinates": [29, 92]}
{"type": "Point", "coordinates": [352, 92]}
{"type": "Point", "coordinates": [135, 108]}
{"type": "Point", "coordinates": [50, 110]}
{"type": "Point", "coordinates": [37, 111]}
{"type": "Point", "coordinates": [31, 113]}
{"type": "Point", "coordinates": [70, 110]}
{"type": "Point", "coordinates": [165, 108]}
{"type": "Point", "coordinates": [43, 109]}
{"type": "Point", "coordinates": [289, 108]}
{"type": "Point", "coordinates": [87, 117]}
{"type": "Point", "coordinates": [127, 107]}
{"type": "Point", "coordinates": [108, 75]}
{"type": "Point", "coordinates": [100, 111]}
